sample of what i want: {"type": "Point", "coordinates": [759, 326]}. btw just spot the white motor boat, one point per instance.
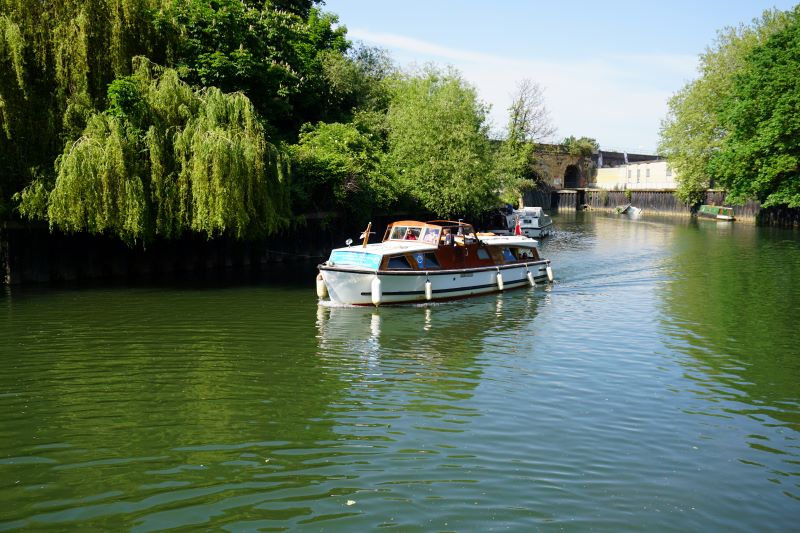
{"type": "Point", "coordinates": [532, 221]}
{"type": "Point", "coordinates": [430, 261]}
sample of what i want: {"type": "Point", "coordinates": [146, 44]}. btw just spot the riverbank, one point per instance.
{"type": "Point", "coordinates": [32, 254]}
{"type": "Point", "coordinates": [663, 202]}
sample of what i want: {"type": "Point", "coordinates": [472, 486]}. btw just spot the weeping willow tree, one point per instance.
{"type": "Point", "coordinates": [164, 159]}
{"type": "Point", "coordinates": [56, 60]}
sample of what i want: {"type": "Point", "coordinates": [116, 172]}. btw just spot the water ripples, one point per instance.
{"type": "Point", "coordinates": [614, 399]}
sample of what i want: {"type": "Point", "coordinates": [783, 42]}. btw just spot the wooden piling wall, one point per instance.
{"type": "Point", "coordinates": [656, 201]}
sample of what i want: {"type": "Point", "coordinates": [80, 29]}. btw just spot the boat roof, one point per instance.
{"type": "Point", "coordinates": [529, 211]}
{"type": "Point", "coordinates": [391, 247]}
{"type": "Point", "coordinates": [509, 240]}
{"type": "Point", "coordinates": [437, 223]}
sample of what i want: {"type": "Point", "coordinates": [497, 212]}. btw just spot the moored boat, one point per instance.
{"type": "Point", "coordinates": [717, 212]}
{"type": "Point", "coordinates": [629, 210]}
{"type": "Point", "coordinates": [430, 261]}
{"type": "Point", "coordinates": [528, 221]}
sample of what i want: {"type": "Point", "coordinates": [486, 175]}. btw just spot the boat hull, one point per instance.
{"type": "Point", "coordinates": [719, 213]}
{"type": "Point", "coordinates": [721, 218]}
{"type": "Point", "coordinates": [354, 286]}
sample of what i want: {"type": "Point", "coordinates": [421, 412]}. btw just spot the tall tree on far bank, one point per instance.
{"type": "Point", "coordinates": [528, 123]}
{"type": "Point", "coordinates": [438, 144]}
{"type": "Point", "coordinates": [528, 117]}
{"type": "Point", "coordinates": [760, 155]}
{"type": "Point", "coordinates": [692, 132]}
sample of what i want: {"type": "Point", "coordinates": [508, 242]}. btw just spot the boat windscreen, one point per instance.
{"type": "Point", "coordinates": [405, 233]}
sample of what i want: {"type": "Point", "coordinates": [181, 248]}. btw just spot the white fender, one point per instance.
{"type": "Point", "coordinates": [428, 290]}
{"type": "Point", "coordinates": [500, 281]}
{"type": "Point", "coordinates": [530, 279]}
{"type": "Point", "coordinates": [376, 291]}
{"type": "Point", "coordinates": [322, 289]}
{"type": "Point", "coordinates": [549, 273]}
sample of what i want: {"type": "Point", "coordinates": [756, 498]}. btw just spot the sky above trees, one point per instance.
{"type": "Point", "coordinates": [607, 68]}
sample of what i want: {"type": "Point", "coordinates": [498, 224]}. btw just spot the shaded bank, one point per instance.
{"type": "Point", "coordinates": [31, 253]}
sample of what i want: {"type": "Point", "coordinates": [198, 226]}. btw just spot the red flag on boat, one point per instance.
{"type": "Point", "coordinates": [517, 228]}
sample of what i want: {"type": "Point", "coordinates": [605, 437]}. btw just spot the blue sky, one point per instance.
{"type": "Point", "coordinates": [607, 68]}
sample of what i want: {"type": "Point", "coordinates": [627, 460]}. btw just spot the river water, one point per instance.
{"type": "Point", "coordinates": [655, 386]}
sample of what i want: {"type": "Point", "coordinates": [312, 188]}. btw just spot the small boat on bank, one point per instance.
{"type": "Point", "coordinates": [429, 261]}
{"type": "Point", "coordinates": [628, 210]}
{"type": "Point", "coordinates": [531, 221]}
{"type": "Point", "coordinates": [717, 212]}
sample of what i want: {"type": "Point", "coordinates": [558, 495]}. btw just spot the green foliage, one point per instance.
{"type": "Point", "coordinates": [438, 145]}
{"type": "Point", "coordinates": [272, 54]}
{"type": "Point", "coordinates": [512, 168]}
{"type": "Point", "coordinates": [341, 168]}
{"type": "Point", "coordinates": [164, 160]}
{"type": "Point", "coordinates": [56, 60]}
{"type": "Point", "coordinates": [582, 146]}
{"type": "Point", "coordinates": [355, 80]}
{"type": "Point", "coordinates": [760, 155]}
{"type": "Point", "coordinates": [692, 131]}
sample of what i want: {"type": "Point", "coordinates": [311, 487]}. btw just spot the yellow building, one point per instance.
{"type": "Point", "coordinates": [643, 175]}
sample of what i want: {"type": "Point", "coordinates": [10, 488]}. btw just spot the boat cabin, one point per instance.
{"type": "Point", "coordinates": [446, 244]}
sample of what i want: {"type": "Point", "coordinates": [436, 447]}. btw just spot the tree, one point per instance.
{"type": "Point", "coordinates": [165, 159]}
{"type": "Point", "coordinates": [272, 54]}
{"type": "Point", "coordinates": [759, 157]}
{"type": "Point", "coordinates": [356, 81]}
{"type": "Point", "coordinates": [56, 60]}
{"type": "Point", "coordinates": [582, 146]}
{"type": "Point", "coordinates": [529, 119]}
{"type": "Point", "coordinates": [692, 132]}
{"type": "Point", "coordinates": [528, 122]}
{"type": "Point", "coordinates": [438, 145]}
{"type": "Point", "coordinates": [339, 166]}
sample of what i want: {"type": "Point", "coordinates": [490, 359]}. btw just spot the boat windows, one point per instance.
{"type": "Point", "coordinates": [483, 253]}
{"type": "Point", "coordinates": [399, 262]}
{"type": "Point", "coordinates": [426, 261]}
{"type": "Point", "coordinates": [431, 235]}
{"type": "Point", "coordinates": [508, 255]}
{"type": "Point", "coordinates": [405, 233]}
{"type": "Point", "coordinates": [526, 253]}
{"type": "Point", "coordinates": [398, 232]}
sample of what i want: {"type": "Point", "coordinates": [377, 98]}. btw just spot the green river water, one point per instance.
{"type": "Point", "coordinates": [655, 386]}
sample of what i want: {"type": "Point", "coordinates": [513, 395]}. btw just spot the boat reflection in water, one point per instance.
{"type": "Point", "coordinates": [452, 333]}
